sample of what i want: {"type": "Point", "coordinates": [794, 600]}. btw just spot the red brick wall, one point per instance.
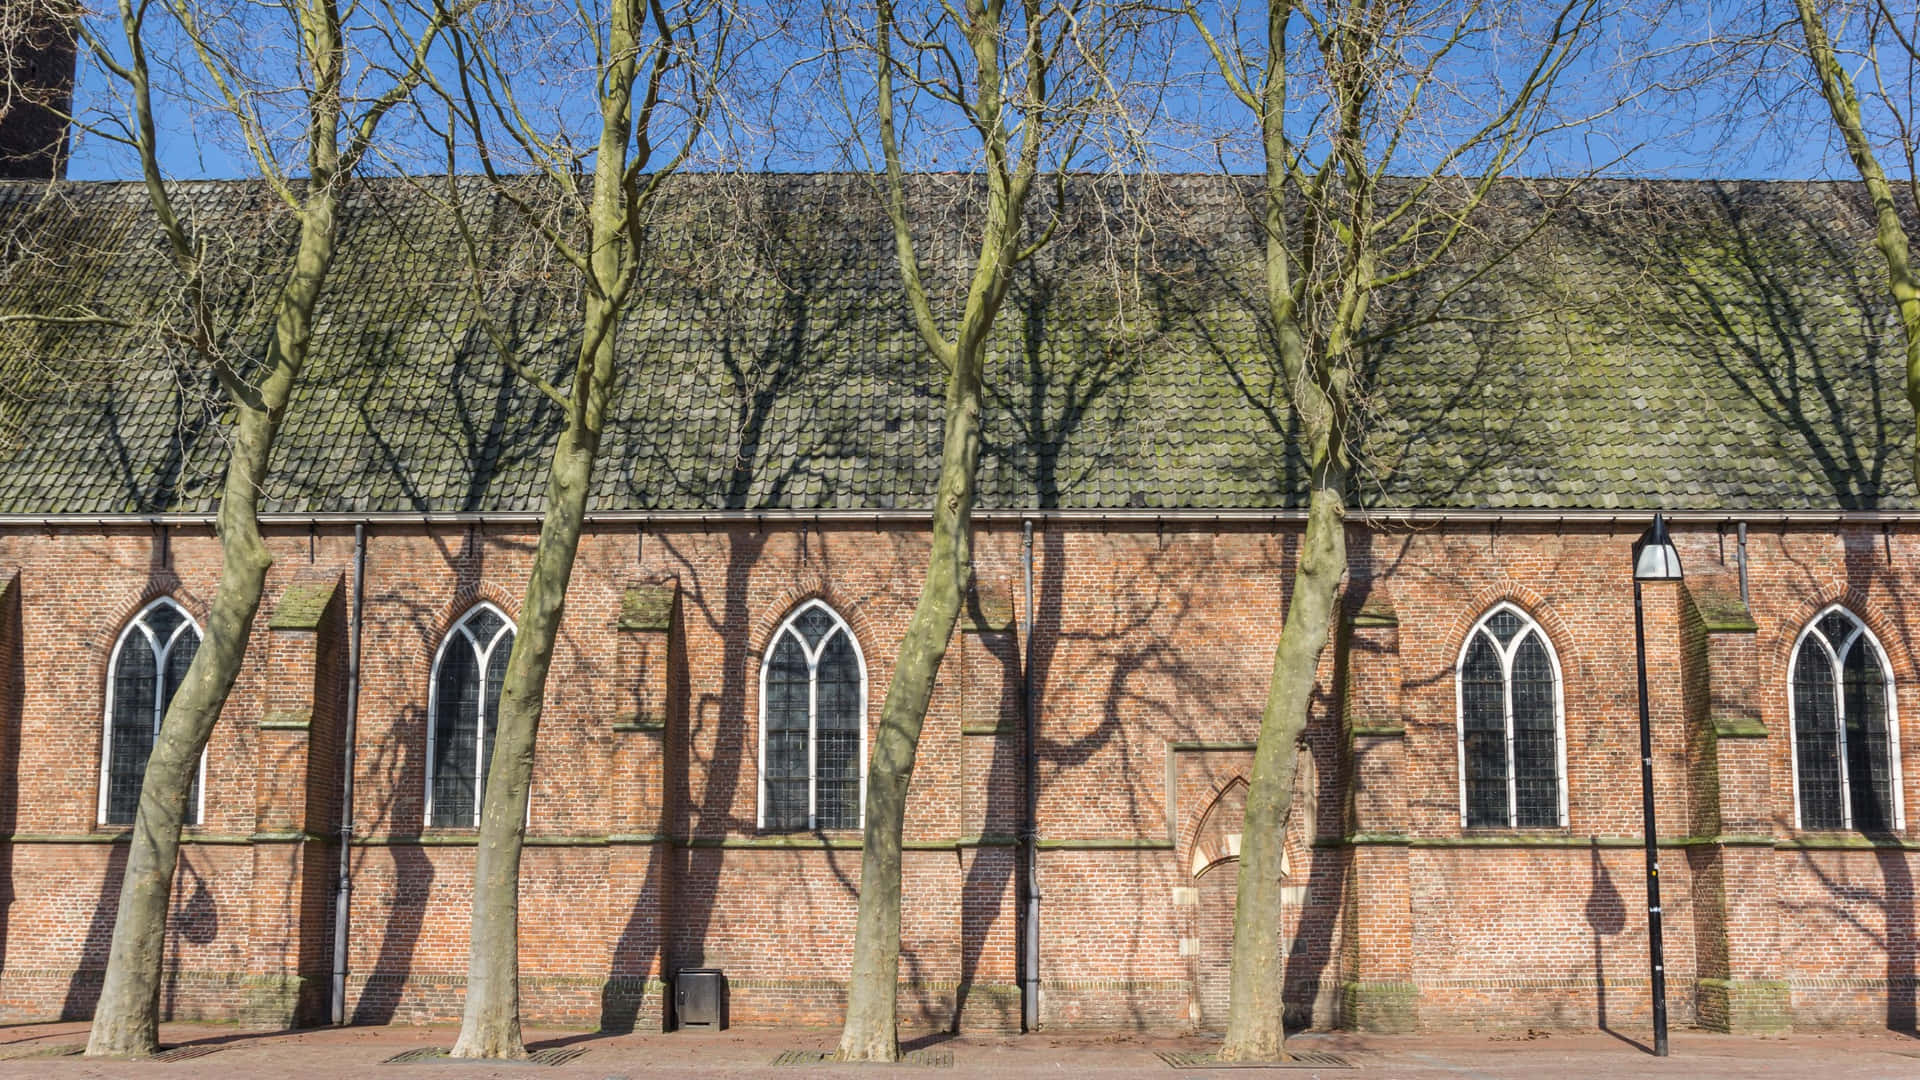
{"type": "Point", "coordinates": [1151, 649]}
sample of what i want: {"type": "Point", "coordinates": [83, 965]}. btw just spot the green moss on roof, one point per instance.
{"type": "Point", "coordinates": [1696, 345]}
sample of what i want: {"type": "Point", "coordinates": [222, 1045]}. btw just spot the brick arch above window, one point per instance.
{"type": "Point", "coordinates": [434, 630]}
{"type": "Point", "coordinates": [1892, 641]}
{"type": "Point", "coordinates": [804, 588]}
{"type": "Point", "coordinates": [1528, 603]}
{"type": "Point", "coordinates": [127, 604]}
{"type": "Point", "coordinates": [1212, 839]}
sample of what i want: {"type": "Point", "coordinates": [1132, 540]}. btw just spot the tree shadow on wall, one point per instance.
{"type": "Point", "coordinates": [639, 951]}
{"type": "Point", "coordinates": [993, 867]}
{"type": "Point", "coordinates": [393, 769]}
{"type": "Point", "coordinates": [1606, 915]}
{"type": "Point", "coordinates": [1894, 902]}
{"type": "Point", "coordinates": [83, 987]}
{"type": "Point", "coordinates": [667, 929]}
{"type": "Point", "coordinates": [194, 920]}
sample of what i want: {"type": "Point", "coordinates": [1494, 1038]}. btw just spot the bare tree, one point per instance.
{"type": "Point", "coordinates": [1884, 45]}
{"type": "Point", "coordinates": [1026, 91]}
{"type": "Point", "coordinates": [656, 73]}
{"type": "Point", "coordinates": [250, 329]}
{"type": "Point", "coordinates": [36, 85]}
{"type": "Point", "coordinates": [1382, 128]}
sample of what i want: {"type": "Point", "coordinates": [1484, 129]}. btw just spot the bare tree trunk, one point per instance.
{"type": "Point", "coordinates": [126, 1021]}
{"type": "Point", "coordinates": [490, 1026]}
{"type": "Point", "coordinates": [1890, 235]}
{"type": "Point", "coordinates": [871, 1029]}
{"type": "Point", "coordinates": [1256, 1018]}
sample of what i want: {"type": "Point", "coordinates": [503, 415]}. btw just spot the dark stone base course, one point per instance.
{"type": "Point", "coordinates": [1842, 1003]}
{"type": "Point", "coordinates": [628, 1004]}
{"type": "Point", "coordinates": [1565, 1004]}
{"type": "Point", "coordinates": [617, 1004]}
{"type": "Point", "coordinates": [1110, 1004]}
{"type": "Point", "coordinates": [258, 1002]}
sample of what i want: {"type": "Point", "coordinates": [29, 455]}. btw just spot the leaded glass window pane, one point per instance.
{"type": "Point", "coordinates": [135, 686]}
{"type": "Point", "coordinates": [163, 620]}
{"type": "Point", "coordinates": [490, 720]}
{"type": "Point", "coordinates": [837, 723]}
{"type": "Point", "coordinates": [456, 734]}
{"type": "Point", "coordinates": [483, 624]}
{"type": "Point", "coordinates": [1869, 757]}
{"type": "Point", "coordinates": [813, 725]}
{"type": "Point", "coordinates": [1509, 726]}
{"type": "Point", "coordinates": [1503, 625]}
{"type": "Point", "coordinates": [466, 709]}
{"type": "Point", "coordinates": [1842, 728]}
{"type": "Point", "coordinates": [786, 718]}
{"type": "Point", "coordinates": [150, 664]}
{"type": "Point", "coordinates": [1816, 738]}
{"type": "Point", "coordinates": [1536, 751]}
{"type": "Point", "coordinates": [1484, 734]}
{"type": "Point", "coordinates": [185, 643]}
{"type": "Point", "coordinates": [814, 624]}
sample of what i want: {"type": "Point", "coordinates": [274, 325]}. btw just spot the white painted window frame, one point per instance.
{"type": "Point", "coordinates": [1860, 630]}
{"type": "Point", "coordinates": [813, 709]}
{"type": "Point", "coordinates": [161, 652]}
{"type": "Point", "coordinates": [1506, 655]}
{"type": "Point", "coordinates": [459, 631]}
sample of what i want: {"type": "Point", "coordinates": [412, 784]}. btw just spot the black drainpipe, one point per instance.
{"type": "Point", "coordinates": [1030, 809]}
{"type": "Point", "coordinates": [344, 896]}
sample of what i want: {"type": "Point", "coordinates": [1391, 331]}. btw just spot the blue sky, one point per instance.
{"type": "Point", "coordinates": [1764, 127]}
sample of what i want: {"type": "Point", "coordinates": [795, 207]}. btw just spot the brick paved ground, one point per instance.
{"type": "Point", "coordinates": [360, 1051]}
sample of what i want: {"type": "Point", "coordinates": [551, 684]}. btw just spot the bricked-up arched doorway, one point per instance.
{"type": "Point", "coordinates": [1214, 865]}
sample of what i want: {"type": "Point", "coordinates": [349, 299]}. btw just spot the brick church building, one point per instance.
{"type": "Point", "coordinates": [1466, 844]}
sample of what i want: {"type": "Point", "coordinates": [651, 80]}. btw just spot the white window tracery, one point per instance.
{"type": "Point", "coordinates": [1512, 728]}
{"type": "Point", "coordinates": [463, 705]}
{"type": "Point", "coordinates": [813, 724]}
{"type": "Point", "coordinates": [147, 665]}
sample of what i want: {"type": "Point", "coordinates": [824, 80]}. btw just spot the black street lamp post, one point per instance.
{"type": "Point", "coordinates": [1654, 559]}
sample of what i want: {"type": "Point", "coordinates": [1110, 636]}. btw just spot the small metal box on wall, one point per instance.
{"type": "Point", "coordinates": [700, 998]}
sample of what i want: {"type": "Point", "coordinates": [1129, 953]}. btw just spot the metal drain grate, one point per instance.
{"type": "Point", "coordinates": [932, 1058]}
{"type": "Point", "coordinates": [1205, 1059]}
{"type": "Point", "coordinates": [186, 1053]}
{"type": "Point", "coordinates": [437, 1055]}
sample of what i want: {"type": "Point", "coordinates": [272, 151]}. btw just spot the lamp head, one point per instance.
{"type": "Point", "coordinates": [1654, 557]}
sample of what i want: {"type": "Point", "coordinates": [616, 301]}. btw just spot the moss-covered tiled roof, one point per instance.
{"type": "Point", "coordinates": [1685, 345]}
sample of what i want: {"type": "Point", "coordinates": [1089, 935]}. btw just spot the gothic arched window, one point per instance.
{"type": "Point", "coordinates": [813, 724]}
{"type": "Point", "coordinates": [463, 705]}
{"type": "Point", "coordinates": [148, 663]}
{"type": "Point", "coordinates": [1845, 741]}
{"type": "Point", "coordinates": [1512, 765]}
